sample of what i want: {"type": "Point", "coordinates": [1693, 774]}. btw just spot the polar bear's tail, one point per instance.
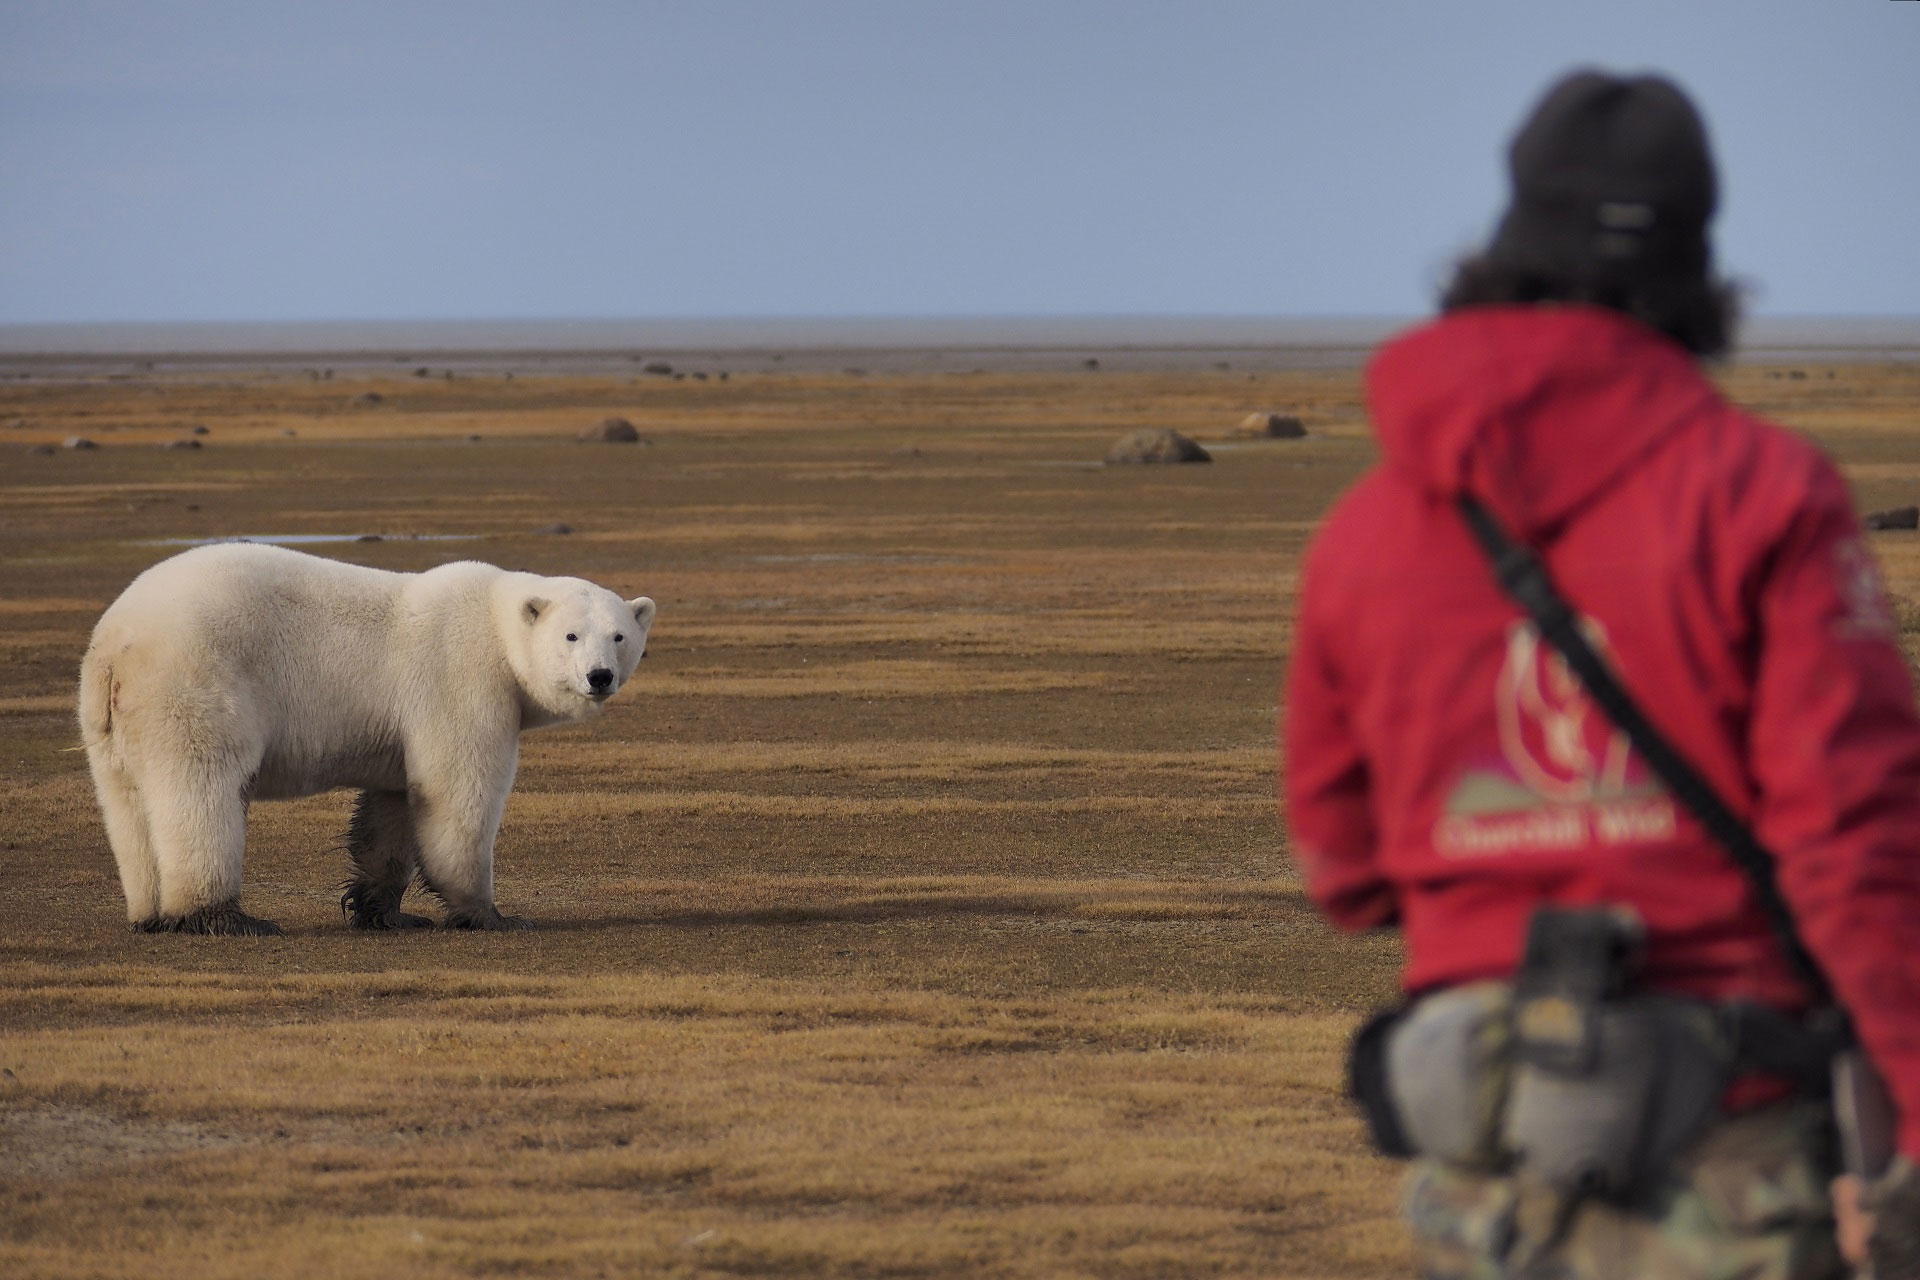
{"type": "Point", "coordinates": [96, 701]}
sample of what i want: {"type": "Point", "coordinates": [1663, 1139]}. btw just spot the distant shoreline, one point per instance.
{"type": "Point", "coordinates": [799, 344]}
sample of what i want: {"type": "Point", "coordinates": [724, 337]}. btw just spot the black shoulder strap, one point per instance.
{"type": "Point", "coordinates": [1525, 581]}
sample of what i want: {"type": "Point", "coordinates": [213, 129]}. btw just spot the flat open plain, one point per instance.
{"type": "Point", "coordinates": [919, 910]}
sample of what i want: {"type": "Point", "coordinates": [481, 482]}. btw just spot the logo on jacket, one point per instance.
{"type": "Point", "coordinates": [1862, 592]}
{"type": "Point", "coordinates": [1558, 743]}
{"type": "Point", "coordinates": [1566, 777]}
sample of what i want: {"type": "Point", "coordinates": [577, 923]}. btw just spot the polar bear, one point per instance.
{"type": "Point", "coordinates": [238, 671]}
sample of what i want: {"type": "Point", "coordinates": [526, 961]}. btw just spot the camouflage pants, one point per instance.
{"type": "Point", "coordinates": [1749, 1201]}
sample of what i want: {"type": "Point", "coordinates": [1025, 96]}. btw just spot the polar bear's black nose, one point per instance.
{"type": "Point", "coordinates": [599, 678]}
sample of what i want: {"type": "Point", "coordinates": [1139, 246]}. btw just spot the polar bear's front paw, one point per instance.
{"type": "Point", "coordinates": [488, 919]}
{"type": "Point", "coordinates": [394, 919]}
{"type": "Point", "coordinates": [367, 908]}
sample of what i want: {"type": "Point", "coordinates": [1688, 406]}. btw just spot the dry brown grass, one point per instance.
{"type": "Point", "coordinates": [920, 911]}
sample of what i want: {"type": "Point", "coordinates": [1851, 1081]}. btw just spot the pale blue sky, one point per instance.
{"type": "Point", "coordinates": [255, 159]}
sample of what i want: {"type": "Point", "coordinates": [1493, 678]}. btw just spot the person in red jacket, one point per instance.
{"type": "Point", "coordinates": [1446, 774]}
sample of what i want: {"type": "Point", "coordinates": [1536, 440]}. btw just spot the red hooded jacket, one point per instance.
{"type": "Point", "coordinates": [1444, 771]}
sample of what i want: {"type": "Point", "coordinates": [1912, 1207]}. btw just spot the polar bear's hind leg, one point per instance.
{"type": "Point", "coordinates": [197, 819]}
{"type": "Point", "coordinates": [225, 919]}
{"type": "Point", "coordinates": [385, 859]}
{"type": "Point", "coordinates": [113, 786]}
{"type": "Point", "coordinates": [127, 835]}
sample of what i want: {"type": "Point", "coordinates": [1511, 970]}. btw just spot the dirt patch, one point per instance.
{"type": "Point", "coordinates": [40, 1140]}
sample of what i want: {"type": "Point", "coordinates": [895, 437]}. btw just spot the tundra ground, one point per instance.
{"type": "Point", "coordinates": [920, 909]}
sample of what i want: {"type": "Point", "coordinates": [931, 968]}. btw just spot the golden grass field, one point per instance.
{"type": "Point", "coordinates": [919, 910]}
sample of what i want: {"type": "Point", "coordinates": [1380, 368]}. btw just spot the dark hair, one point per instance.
{"type": "Point", "coordinates": [1697, 311]}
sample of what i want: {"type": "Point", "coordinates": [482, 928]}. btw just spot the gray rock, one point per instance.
{"type": "Point", "coordinates": [78, 442]}
{"type": "Point", "coordinates": [1271, 426]}
{"type": "Point", "coordinates": [200, 430]}
{"type": "Point", "coordinates": [1892, 518]}
{"type": "Point", "coordinates": [1156, 444]}
{"type": "Point", "coordinates": [611, 431]}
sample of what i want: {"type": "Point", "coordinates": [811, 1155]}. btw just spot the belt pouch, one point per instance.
{"type": "Point", "coordinates": [1447, 1068]}
{"type": "Point", "coordinates": [1579, 1128]}
{"type": "Point", "coordinates": [1607, 1089]}
{"type": "Point", "coordinates": [1367, 1083]}
{"type": "Point", "coordinates": [1582, 1078]}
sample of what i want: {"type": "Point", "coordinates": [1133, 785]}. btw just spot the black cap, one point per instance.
{"type": "Point", "coordinates": [1612, 176]}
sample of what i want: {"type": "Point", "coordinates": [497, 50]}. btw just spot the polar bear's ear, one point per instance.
{"type": "Point", "coordinates": [533, 608]}
{"type": "Point", "coordinates": [642, 610]}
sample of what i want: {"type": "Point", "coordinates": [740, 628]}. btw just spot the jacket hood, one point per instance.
{"type": "Point", "coordinates": [1535, 410]}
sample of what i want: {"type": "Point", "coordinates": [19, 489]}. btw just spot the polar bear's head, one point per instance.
{"type": "Point", "coordinates": [582, 644]}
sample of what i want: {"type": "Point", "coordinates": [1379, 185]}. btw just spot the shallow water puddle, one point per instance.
{"type": "Point", "coordinates": [309, 539]}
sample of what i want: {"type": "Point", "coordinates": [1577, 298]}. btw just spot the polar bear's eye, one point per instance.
{"type": "Point", "coordinates": [572, 636]}
{"type": "Point", "coordinates": [618, 638]}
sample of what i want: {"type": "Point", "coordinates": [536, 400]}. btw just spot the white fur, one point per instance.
{"type": "Point", "coordinates": [236, 672]}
